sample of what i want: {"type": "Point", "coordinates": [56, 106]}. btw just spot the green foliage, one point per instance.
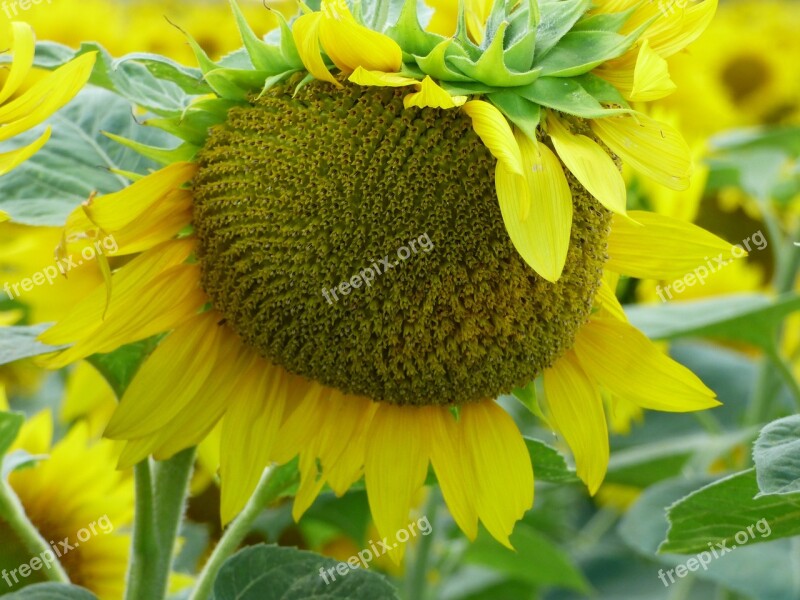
{"type": "Point", "coordinates": [52, 591]}
{"type": "Point", "coordinates": [20, 342]}
{"type": "Point", "coordinates": [275, 572]}
{"type": "Point", "coordinates": [777, 457]}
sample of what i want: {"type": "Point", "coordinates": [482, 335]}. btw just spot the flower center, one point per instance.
{"type": "Point", "coordinates": [361, 244]}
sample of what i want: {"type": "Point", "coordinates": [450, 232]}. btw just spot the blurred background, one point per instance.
{"type": "Point", "coordinates": [737, 104]}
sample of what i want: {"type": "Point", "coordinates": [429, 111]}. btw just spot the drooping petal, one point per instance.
{"type": "Point", "coordinates": [496, 134]}
{"type": "Point", "coordinates": [163, 222]}
{"type": "Point", "coordinates": [454, 474]}
{"type": "Point", "coordinates": [177, 369]}
{"type": "Point", "coordinates": [431, 95]}
{"type": "Point", "coordinates": [11, 160]}
{"type": "Point", "coordinates": [362, 76]}
{"type": "Point", "coordinates": [652, 148]}
{"type": "Point", "coordinates": [305, 31]}
{"type": "Point", "coordinates": [351, 45]}
{"type": "Point", "coordinates": [576, 410]}
{"type": "Point", "coordinates": [661, 247]}
{"type": "Point", "coordinates": [591, 165]}
{"type": "Point", "coordinates": [630, 366]}
{"type": "Point", "coordinates": [116, 211]}
{"type": "Point", "coordinates": [651, 80]}
{"type": "Point", "coordinates": [249, 430]}
{"type": "Point", "coordinates": [395, 467]}
{"type": "Point", "coordinates": [537, 210]}
{"type": "Point", "coordinates": [24, 45]}
{"type": "Point", "coordinates": [501, 467]}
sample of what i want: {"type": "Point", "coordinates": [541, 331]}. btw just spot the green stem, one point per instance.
{"type": "Point", "coordinates": [788, 377]}
{"type": "Point", "coordinates": [234, 534]}
{"type": "Point", "coordinates": [35, 545]}
{"type": "Point", "coordinates": [161, 489]}
{"type": "Point", "coordinates": [417, 572]}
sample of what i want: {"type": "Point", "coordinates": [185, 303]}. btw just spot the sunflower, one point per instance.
{"type": "Point", "coordinates": [492, 146]}
{"type": "Point", "coordinates": [95, 499]}
{"type": "Point", "coordinates": [37, 103]}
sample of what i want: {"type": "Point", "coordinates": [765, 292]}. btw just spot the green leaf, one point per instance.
{"type": "Point", "coordinates": [777, 457]}
{"type": "Point", "coordinates": [601, 90]}
{"type": "Point", "coordinates": [557, 18]}
{"type": "Point", "coordinates": [10, 424]}
{"type": "Point", "coordinates": [765, 571]}
{"type": "Point", "coordinates": [52, 591]}
{"type": "Point", "coordinates": [548, 463]}
{"type": "Point", "coordinates": [605, 22]}
{"type": "Point", "coordinates": [18, 460]}
{"type": "Point", "coordinates": [409, 33]}
{"type": "Point", "coordinates": [20, 342]}
{"type": "Point", "coordinates": [521, 112]}
{"type": "Point", "coordinates": [567, 96]}
{"type": "Point", "coordinates": [721, 512]}
{"type": "Point", "coordinates": [580, 52]}
{"type": "Point", "coordinates": [274, 573]}
{"type": "Point", "coordinates": [535, 559]}
{"type": "Point", "coordinates": [749, 318]}
{"type": "Point", "coordinates": [77, 160]}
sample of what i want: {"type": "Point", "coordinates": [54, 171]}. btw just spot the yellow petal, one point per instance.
{"type": "Point", "coordinates": [651, 80]}
{"type": "Point", "coordinates": [305, 31]}
{"type": "Point", "coordinates": [661, 247]}
{"type": "Point", "coordinates": [501, 465]}
{"type": "Point", "coordinates": [607, 297]}
{"type": "Point", "coordinates": [127, 282]}
{"type": "Point", "coordinates": [249, 430]}
{"type": "Point", "coordinates": [45, 97]}
{"type": "Point", "coordinates": [452, 471]}
{"type": "Point", "coordinates": [351, 45]}
{"type": "Point", "coordinates": [537, 211]}
{"type": "Point", "coordinates": [591, 165]}
{"type": "Point", "coordinates": [630, 366]}
{"type": "Point", "coordinates": [12, 159]}
{"type": "Point", "coordinates": [576, 410]}
{"type": "Point", "coordinates": [677, 25]}
{"type": "Point", "coordinates": [23, 47]}
{"type": "Point", "coordinates": [162, 222]}
{"type": "Point", "coordinates": [172, 297]}
{"type": "Point", "coordinates": [652, 148]}
{"type": "Point", "coordinates": [362, 76]}
{"type": "Point", "coordinates": [496, 134]}
{"type": "Point", "coordinates": [396, 463]}
{"type": "Point", "coordinates": [115, 211]}
{"type": "Point", "coordinates": [432, 96]}
{"type": "Point", "coordinates": [176, 369]}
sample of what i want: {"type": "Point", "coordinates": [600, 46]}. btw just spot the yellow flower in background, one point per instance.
{"type": "Point", "coordinates": [742, 72]}
{"type": "Point", "coordinates": [75, 494]}
{"type": "Point", "coordinates": [513, 229]}
{"type": "Point", "coordinates": [142, 26]}
{"type": "Point", "coordinates": [19, 114]}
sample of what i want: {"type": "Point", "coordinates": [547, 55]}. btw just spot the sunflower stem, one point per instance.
{"type": "Point", "coordinates": [416, 573]}
{"type": "Point", "coordinates": [161, 489]}
{"type": "Point", "coordinates": [35, 545]}
{"type": "Point", "coordinates": [234, 534]}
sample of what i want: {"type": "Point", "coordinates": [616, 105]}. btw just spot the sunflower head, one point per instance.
{"type": "Point", "coordinates": [275, 249]}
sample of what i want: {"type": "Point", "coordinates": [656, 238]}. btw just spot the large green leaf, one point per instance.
{"type": "Point", "coordinates": [52, 591]}
{"type": "Point", "coordinates": [275, 572]}
{"type": "Point", "coordinates": [777, 457]}
{"type": "Point", "coordinates": [548, 463]}
{"type": "Point", "coordinates": [728, 512]}
{"type": "Point", "coordinates": [20, 342]}
{"type": "Point", "coordinates": [750, 318]}
{"type": "Point", "coordinates": [535, 559]}
{"type": "Point", "coordinates": [764, 571]}
{"type": "Point", "coordinates": [556, 19]}
{"type": "Point", "coordinates": [567, 96]}
{"type": "Point", "coordinates": [78, 159]}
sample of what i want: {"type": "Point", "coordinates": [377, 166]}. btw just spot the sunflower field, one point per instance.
{"type": "Point", "coordinates": [400, 299]}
